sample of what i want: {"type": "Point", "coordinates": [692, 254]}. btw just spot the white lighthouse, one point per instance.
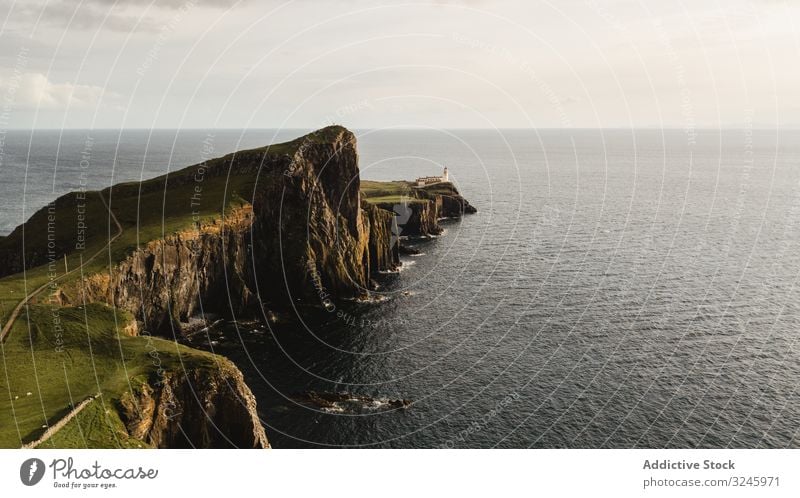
{"type": "Point", "coordinates": [430, 180]}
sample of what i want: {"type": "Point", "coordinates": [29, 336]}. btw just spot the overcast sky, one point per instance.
{"type": "Point", "coordinates": [369, 64]}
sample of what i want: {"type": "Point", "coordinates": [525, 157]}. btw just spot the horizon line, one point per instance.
{"type": "Point", "coordinates": [421, 128]}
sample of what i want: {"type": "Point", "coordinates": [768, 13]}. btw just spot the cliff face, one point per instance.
{"type": "Point", "coordinates": [383, 246]}
{"type": "Point", "coordinates": [453, 205]}
{"type": "Point", "coordinates": [309, 218]}
{"type": "Point", "coordinates": [199, 408]}
{"type": "Point", "coordinates": [420, 216]}
{"type": "Point", "coordinates": [290, 218]}
{"type": "Point", "coordinates": [305, 221]}
{"type": "Point", "coordinates": [168, 280]}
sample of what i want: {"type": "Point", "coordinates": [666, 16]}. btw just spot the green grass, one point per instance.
{"type": "Point", "coordinates": [153, 215]}
{"type": "Point", "coordinates": [147, 211]}
{"type": "Point", "coordinates": [395, 199]}
{"type": "Point", "coordinates": [96, 357]}
{"type": "Point", "coordinates": [399, 191]}
{"type": "Point", "coordinates": [372, 190]}
{"type": "Point", "coordinates": [438, 189]}
{"type": "Point", "coordinates": [97, 426]}
{"type": "Point", "coordinates": [395, 192]}
{"type": "Point", "coordinates": [13, 288]}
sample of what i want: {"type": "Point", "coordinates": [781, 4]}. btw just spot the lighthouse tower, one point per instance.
{"type": "Point", "coordinates": [445, 175]}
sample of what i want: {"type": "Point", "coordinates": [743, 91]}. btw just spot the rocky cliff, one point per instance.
{"type": "Point", "coordinates": [254, 229]}
{"type": "Point", "coordinates": [418, 218]}
{"type": "Point", "coordinates": [309, 216]}
{"type": "Point", "coordinates": [453, 204]}
{"type": "Point", "coordinates": [383, 246]}
{"type": "Point", "coordinates": [168, 280]}
{"type": "Point", "coordinates": [303, 223]}
{"type": "Point", "coordinates": [419, 214]}
{"type": "Point", "coordinates": [198, 408]}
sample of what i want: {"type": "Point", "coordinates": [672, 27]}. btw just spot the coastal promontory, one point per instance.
{"type": "Point", "coordinates": [112, 278]}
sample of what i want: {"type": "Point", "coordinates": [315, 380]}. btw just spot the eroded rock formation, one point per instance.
{"type": "Point", "coordinates": [306, 224]}
{"type": "Point", "coordinates": [200, 408]}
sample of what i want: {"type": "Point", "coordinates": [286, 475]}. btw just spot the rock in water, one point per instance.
{"type": "Point", "coordinates": [342, 402]}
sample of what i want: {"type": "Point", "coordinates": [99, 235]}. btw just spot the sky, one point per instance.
{"type": "Point", "coordinates": [379, 64]}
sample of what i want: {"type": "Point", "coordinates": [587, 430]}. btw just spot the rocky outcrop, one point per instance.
{"type": "Point", "coordinates": [343, 402]}
{"type": "Point", "coordinates": [299, 224]}
{"type": "Point", "coordinates": [384, 248]}
{"type": "Point", "coordinates": [168, 280]}
{"type": "Point", "coordinates": [309, 217]}
{"type": "Point", "coordinates": [419, 217]}
{"type": "Point", "coordinates": [198, 408]}
{"type": "Point", "coordinates": [424, 218]}
{"type": "Point", "coordinates": [453, 204]}
{"type": "Point", "coordinates": [305, 225]}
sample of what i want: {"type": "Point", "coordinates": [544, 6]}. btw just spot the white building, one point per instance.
{"type": "Point", "coordinates": [429, 180]}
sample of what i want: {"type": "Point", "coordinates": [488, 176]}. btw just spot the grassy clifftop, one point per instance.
{"type": "Point", "coordinates": [399, 191]}
{"type": "Point", "coordinates": [57, 354]}
{"type": "Point", "coordinates": [78, 225]}
{"type": "Point", "coordinates": [55, 357]}
{"type": "Point", "coordinates": [131, 242]}
{"type": "Point", "coordinates": [79, 221]}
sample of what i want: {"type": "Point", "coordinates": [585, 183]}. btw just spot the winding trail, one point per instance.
{"type": "Point", "coordinates": [61, 423]}
{"type": "Point", "coordinates": [52, 429]}
{"type": "Point", "coordinates": [24, 303]}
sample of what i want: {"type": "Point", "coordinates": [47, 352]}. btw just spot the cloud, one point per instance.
{"type": "Point", "coordinates": [81, 16]}
{"type": "Point", "coordinates": [126, 15]}
{"type": "Point", "coordinates": [35, 90]}
{"type": "Point", "coordinates": [175, 4]}
{"type": "Point", "coordinates": [113, 15]}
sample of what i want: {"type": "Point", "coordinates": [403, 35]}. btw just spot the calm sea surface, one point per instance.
{"type": "Point", "coordinates": [616, 289]}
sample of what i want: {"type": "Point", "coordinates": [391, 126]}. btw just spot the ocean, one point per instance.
{"type": "Point", "coordinates": [617, 288]}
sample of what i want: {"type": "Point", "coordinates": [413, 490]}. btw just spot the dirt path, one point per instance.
{"type": "Point", "coordinates": [24, 303]}
{"type": "Point", "coordinates": [61, 423]}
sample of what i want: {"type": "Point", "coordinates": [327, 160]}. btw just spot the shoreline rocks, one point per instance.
{"type": "Point", "coordinates": [344, 402]}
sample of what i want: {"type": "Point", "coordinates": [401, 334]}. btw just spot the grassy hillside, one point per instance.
{"type": "Point", "coordinates": [57, 356]}
{"type": "Point", "coordinates": [389, 192]}
{"type": "Point", "coordinates": [78, 223]}
{"type": "Point", "coordinates": [60, 356]}
{"type": "Point", "coordinates": [96, 426]}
